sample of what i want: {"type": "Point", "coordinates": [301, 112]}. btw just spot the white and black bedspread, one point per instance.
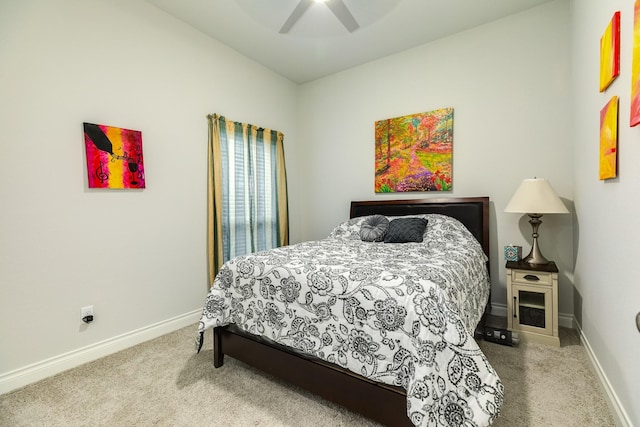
{"type": "Point", "coordinates": [398, 313]}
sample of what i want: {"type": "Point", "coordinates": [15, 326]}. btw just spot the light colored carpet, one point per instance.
{"type": "Point", "coordinates": [163, 382]}
{"type": "Point", "coordinates": [548, 386]}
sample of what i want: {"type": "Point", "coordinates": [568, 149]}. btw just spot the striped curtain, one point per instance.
{"type": "Point", "coordinates": [247, 191]}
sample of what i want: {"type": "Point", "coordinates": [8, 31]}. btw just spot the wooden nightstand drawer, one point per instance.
{"type": "Point", "coordinates": [532, 277]}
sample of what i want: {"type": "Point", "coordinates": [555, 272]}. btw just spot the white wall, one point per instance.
{"type": "Point", "coordinates": [508, 85]}
{"type": "Point", "coordinates": [138, 256]}
{"type": "Point", "coordinates": [606, 226]}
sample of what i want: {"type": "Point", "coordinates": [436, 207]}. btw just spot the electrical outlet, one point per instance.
{"type": "Point", "coordinates": [86, 314]}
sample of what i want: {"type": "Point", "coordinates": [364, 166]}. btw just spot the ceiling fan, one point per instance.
{"type": "Point", "coordinates": [338, 8]}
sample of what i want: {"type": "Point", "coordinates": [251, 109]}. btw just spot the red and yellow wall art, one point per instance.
{"type": "Point", "coordinates": [414, 152]}
{"type": "Point", "coordinates": [609, 139]}
{"type": "Point", "coordinates": [635, 68]}
{"type": "Point", "coordinates": [114, 157]}
{"type": "Point", "coordinates": [610, 53]}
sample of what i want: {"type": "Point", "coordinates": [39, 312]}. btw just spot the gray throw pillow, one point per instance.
{"type": "Point", "coordinates": [374, 228]}
{"type": "Point", "coordinates": [403, 230]}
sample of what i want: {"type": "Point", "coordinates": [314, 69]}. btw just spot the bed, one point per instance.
{"type": "Point", "coordinates": [361, 322]}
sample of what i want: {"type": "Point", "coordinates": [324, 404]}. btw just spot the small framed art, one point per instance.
{"type": "Point", "coordinates": [114, 157]}
{"type": "Point", "coordinates": [609, 139]}
{"type": "Point", "coordinates": [634, 118]}
{"type": "Point", "coordinates": [610, 53]}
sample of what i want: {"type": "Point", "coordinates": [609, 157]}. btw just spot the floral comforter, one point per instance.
{"type": "Point", "coordinates": [398, 313]}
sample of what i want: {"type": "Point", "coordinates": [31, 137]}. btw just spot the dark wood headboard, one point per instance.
{"type": "Point", "coordinates": [473, 212]}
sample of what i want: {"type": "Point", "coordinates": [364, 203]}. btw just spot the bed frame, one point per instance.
{"type": "Point", "coordinates": [380, 402]}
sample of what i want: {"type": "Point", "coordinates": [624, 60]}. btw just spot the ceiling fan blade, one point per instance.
{"type": "Point", "coordinates": [342, 13]}
{"type": "Point", "coordinates": [295, 15]}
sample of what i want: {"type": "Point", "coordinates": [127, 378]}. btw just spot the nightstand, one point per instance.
{"type": "Point", "coordinates": [532, 301]}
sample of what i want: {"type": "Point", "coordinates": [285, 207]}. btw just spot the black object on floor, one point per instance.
{"type": "Point", "coordinates": [500, 336]}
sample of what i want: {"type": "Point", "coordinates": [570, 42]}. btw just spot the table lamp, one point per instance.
{"type": "Point", "coordinates": [535, 197]}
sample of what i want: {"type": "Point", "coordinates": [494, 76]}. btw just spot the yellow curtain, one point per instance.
{"type": "Point", "coordinates": [222, 135]}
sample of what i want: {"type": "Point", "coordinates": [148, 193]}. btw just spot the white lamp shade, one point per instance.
{"type": "Point", "coordinates": [536, 196]}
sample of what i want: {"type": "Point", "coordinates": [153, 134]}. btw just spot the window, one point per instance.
{"type": "Point", "coordinates": [247, 190]}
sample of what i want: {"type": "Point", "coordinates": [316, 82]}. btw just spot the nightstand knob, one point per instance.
{"type": "Point", "coordinates": [531, 277]}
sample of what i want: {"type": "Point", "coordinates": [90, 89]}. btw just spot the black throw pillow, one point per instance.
{"type": "Point", "coordinates": [403, 230]}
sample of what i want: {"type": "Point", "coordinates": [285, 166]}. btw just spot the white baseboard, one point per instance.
{"type": "Point", "coordinates": [37, 371]}
{"type": "Point", "coordinates": [564, 320]}
{"type": "Point", "coordinates": [617, 410]}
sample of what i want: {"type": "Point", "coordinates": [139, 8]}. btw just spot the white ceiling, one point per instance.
{"type": "Point", "coordinates": [318, 45]}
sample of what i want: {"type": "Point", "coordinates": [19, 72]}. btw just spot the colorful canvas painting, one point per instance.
{"type": "Point", "coordinates": [610, 53]}
{"type": "Point", "coordinates": [609, 139]}
{"type": "Point", "coordinates": [414, 152]}
{"type": "Point", "coordinates": [635, 68]}
{"type": "Point", "coordinates": [114, 157]}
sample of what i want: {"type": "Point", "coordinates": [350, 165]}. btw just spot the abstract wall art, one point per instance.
{"type": "Point", "coordinates": [609, 139]}
{"type": "Point", "coordinates": [414, 152]}
{"type": "Point", "coordinates": [114, 157]}
{"type": "Point", "coordinates": [610, 53]}
{"type": "Point", "coordinates": [635, 68]}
